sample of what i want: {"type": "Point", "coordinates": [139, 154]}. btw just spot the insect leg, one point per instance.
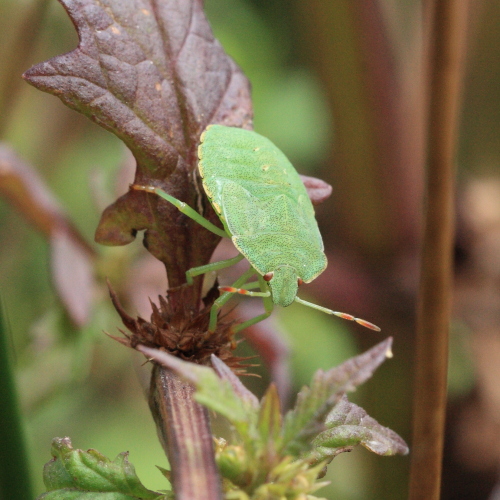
{"type": "Point", "coordinates": [249, 286]}
{"type": "Point", "coordinates": [268, 306]}
{"type": "Point", "coordinates": [214, 266]}
{"type": "Point", "coordinates": [182, 207]}
{"type": "Point", "coordinates": [225, 297]}
{"type": "Point", "coordinates": [245, 290]}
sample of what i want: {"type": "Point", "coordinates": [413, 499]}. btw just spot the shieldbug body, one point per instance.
{"type": "Point", "coordinates": [266, 211]}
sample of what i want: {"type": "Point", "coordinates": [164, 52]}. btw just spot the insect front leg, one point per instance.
{"type": "Point", "coordinates": [219, 303]}
{"type": "Point", "coordinates": [214, 266]}
{"type": "Point", "coordinates": [182, 207]}
{"type": "Point", "coordinates": [268, 306]}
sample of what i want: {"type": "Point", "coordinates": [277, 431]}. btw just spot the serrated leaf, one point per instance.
{"type": "Point", "coordinates": [80, 471]}
{"type": "Point", "coordinates": [307, 419]}
{"type": "Point", "coordinates": [153, 74]}
{"type": "Point", "coordinates": [348, 425]}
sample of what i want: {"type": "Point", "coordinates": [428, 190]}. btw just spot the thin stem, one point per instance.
{"type": "Point", "coordinates": [433, 316]}
{"type": "Point", "coordinates": [184, 428]}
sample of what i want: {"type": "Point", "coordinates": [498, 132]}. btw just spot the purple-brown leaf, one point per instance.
{"type": "Point", "coordinates": [152, 73]}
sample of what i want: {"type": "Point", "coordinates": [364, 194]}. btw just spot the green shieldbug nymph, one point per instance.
{"type": "Point", "coordinates": [266, 211]}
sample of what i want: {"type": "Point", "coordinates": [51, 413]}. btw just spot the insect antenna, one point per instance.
{"type": "Point", "coordinates": [342, 315]}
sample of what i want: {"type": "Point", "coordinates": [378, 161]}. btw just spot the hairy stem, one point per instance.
{"type": "Point", "coordinates": [433, 315]}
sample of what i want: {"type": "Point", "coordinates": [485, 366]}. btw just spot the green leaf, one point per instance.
{"type": "Point", "coordinates": [225, 373]}
{"type": "Point", "coordinates": [313, 404]}
{"type": "Point", "coordinates": [348, 425]}
{"type": "Point", "coordinates": [78, 474]}
{"type": "Point", "coordinates": [270, 421]}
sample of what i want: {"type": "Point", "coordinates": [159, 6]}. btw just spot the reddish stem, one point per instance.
{"type": "Point", "coordinates": [186, 437]}
{"type": "Point", "coordinates": [445, 72]}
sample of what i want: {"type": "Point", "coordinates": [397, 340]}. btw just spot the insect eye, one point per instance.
{"type": "Point", "coordinates": [299, 281]}
{"type": "Point", "coordinates": [268, 276]}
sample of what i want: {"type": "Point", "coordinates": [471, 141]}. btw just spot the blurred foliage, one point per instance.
{"type": "Point", "coordinates": [78, 382]}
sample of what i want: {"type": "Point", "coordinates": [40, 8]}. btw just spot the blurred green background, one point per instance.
{"type": "Point", "coordinates": [337, 86]}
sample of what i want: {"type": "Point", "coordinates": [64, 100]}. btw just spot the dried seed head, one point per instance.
{"type": "Point", "coordinates": [181, 332]}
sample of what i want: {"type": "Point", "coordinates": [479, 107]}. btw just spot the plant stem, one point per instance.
{"type": "Point", "coordinates": [184, 429]}
{"type": "Point", "coordinates": [433, 315]}
{"type": "Point", "coordinates": [15, 474]}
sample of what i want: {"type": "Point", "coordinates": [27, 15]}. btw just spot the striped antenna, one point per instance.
{"type": "Point", "coordinates": [342, 315]}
